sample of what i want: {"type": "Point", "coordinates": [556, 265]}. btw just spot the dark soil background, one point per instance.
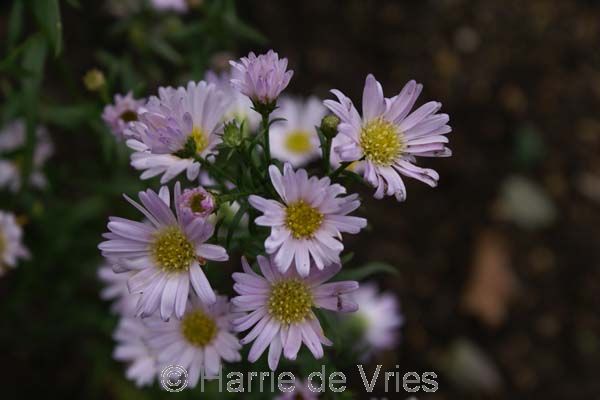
{"type": "Point", "coordinates": [501, 301]}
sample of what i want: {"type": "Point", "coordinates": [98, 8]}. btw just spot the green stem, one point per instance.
{"type": "Point", "coordinates": [339, 169]}
{"type": "Point", "coordinates": [266, 144]}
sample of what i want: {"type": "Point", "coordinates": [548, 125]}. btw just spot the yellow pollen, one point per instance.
{"type": "Point", "coordinates": [381, 142]}
{"type": "Point", "coordinates": [172, 251]}
{"type": "Point", "coordinates": [198, 328]}
{"type": "Point", "coordinates": [302, 220]}
{"type": "Point", "coordinates": [200, 139]}
{"type": "Point", "coordinates": [290, 301]}
{"type": "Point", "coordinates": [298, 142]}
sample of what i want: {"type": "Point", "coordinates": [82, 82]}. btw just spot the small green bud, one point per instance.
{"type": "Point", "coordinates": [329, 125]}
{"type": "Point", "coordinates": [232, 135]}
{"type": "Point", "coordinates": [94, 80]}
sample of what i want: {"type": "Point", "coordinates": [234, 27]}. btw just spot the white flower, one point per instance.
{"type": "Point", "coordinates": [167, 254]}
{"type": "Point", "coordinates": [295, 140]}
{"type": "Point", "coordinates": [131, 348]}
{"type": "Point", "coordinates": [12, 139]}
{"type": "Point", "coordinates": [11, 246]}
{"type": "Point", "coordinates": [199, 341]}
{"type": "Point", "coordinates": [125, 110]}
{"type": "Point", "coordinates": [176, 128]}
{"type": "Point", "coordinates": [379, 318]}
{"type": "Point", "coordinates": [116, 290]}
{"type": "Point", "coordinates": [179, 6]}
{"type": "Point", "coordinates": [308, 222]}
{"type": "Point", "coordinates": [389, 137]}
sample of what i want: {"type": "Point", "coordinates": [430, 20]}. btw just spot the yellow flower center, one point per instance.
{"type": "Point", "coordinates": [302, 220]}
{"type": "Point", "coordinates": [298, 142]}
{"type": "Point", "coordinates": [198, 328]}
{"type": "Point", "coordinates": [172, 251]}
{"type": "Point", "coordinates": [381, 142]}
{"type": "Point", "coordinates": [200, 139]}
{"type": "Point", "coordinates": [290, 301]}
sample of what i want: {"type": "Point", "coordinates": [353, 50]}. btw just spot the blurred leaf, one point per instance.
{"type": "Point", "coordinates": [165, 50]}
{"type": "Point", "coordinates": [69, 116]}
{"type": "Point", "coordinates": [15, 24]}
{"type": "Point", "coordinates": [48, 16]}
{"type": "Point", "coordinates": [367, 270]}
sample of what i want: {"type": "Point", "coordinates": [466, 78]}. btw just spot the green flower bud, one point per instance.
{"type": "Point", "coordinates": [232, 135]}
{"type": "Point", "coordinates": [94, 80]}
{"type": "Point", "coordinates": [329, 125]}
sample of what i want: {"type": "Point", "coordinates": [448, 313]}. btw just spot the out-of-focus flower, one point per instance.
{"type": "Point", "coordinates": [166, 253]}
{"type": "Point", "coordinates": [12, 140]}
{"type": "Point", "coordinates": [295, 140]}
{"type": "Point", "coordinates": [378, 319]}
{"type": "Point", "coordinates": [123, 8]}
{"type": "Point", "coordinates": [118, 115]}
{"type": "Point", "coordinates": [94, 80]}
{"type": "Point", "coordinates": [199, 341]}
{"type": "Point", "coordinates": [116, 290]}
{"type": "Point", "coordinates": [179, 6]}
{"type": "Point", "coordinates": [280, 308]}
{"type": "Point", "coordinates": [131, 348]}
{"type": "Point", "coordinates": [308, 223]}
{"type": "Point", "coordinates": [176, 128]}
{"type": "Point", "coordinates": [11, 242]}
{"type": "Point", "coordinates": [196, 203]}
{"type": "Point", "coordinates": [388, 138]}
{"type": "Point", "coordinates": [301, 392]}
{"type": "Point", "coordinates": [240, 106]}
{"type": "Point", "coordinates": [262, 78]}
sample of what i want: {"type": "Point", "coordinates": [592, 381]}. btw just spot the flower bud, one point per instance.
{"type": "Point", "coordinates": [94, 80]}
{"type": "Point", "coordinates": [232, 135]}
{"type": "Point", "coordinates": [329, 125]}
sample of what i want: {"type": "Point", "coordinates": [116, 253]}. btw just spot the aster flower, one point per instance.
{"type": "Point", "coordinates": [118, 115]}
{"type": "Point", "coordinates": [280, 307]}
{"type": "Point", "coordinates": [389, 137]}
{"type": "Point", "coordinates": [199, 341]}
{"type": "Point", "coordinates": [11, 245]}
{"type": "Point", "coordinates": [378, 318]}
{"type": "Point", "coordinates": [196, 203]}
{"type": "Point", "coordinates": [12, 139]}
{"type": "Point", "coordinates": [240, 106]}
{"type": "Point", "coordinates": [307, 224]}
{"type": "Point", "coordinates": [131, 348]}
{"type": "Point", "coordinates": [115, 289]}
{"type": "Point", "coordinates": [295, 140]}
{"type": "Point", "coordinates": [176, 128]}
{"type": "Point", "coordinates": [179, 6]}
{"type": "Point", "coordinates": [301, 392]}
{"type": "Point", "coordinates": [166, 254]}
{"type": "Point", "coordinates": [262, 78]}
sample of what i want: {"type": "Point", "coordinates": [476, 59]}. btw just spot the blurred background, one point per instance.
{"type": "Point", "coordinates": [497, 268]}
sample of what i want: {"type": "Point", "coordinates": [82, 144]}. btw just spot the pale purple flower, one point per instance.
{"type": "Point", "coordinates": [280, 307]}
{"type": "Point", "coordinates": [301, 392]}
{"type": "Point", "coordinates": [125, 110]}
{"type": "Point", "coordinates": [11, 242]}
{"type": "Point", "coordinates": [166, 253]}
{"type": "Point", "coordinates": [196, 203]}
{"type": "Point", "coordinates": [115, 289]}
{"type": "Point", "coordinates": [175, 129]}
{"type": "Point", "coordinates": [131, 348]}
{"type": "Point", "coordinates": [308, 221]}
{"type": "Point", "coordinates": [388, 137]}
{"type": "Point", "coordinates": [199, 341]}
{"type": "Point", "coordinates": [179, 6]}
{"type": "Point", "coordinates": [295, 140]}
{"type": "Point", "coordinates": [378, 317]}
{"type": "Point", "coordinates": [240, 106]}
{"type": "Point", "coordinates": [263, 77]}
{"type": "Point", "coordinates": [12, 139]}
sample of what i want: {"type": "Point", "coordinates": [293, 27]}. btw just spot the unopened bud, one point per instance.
{"type": "Point", "coordinates": [232, 135]}
{"type": "Point", "coordinates": [329, 125]}
{"type": "Point", "coordinates": [94, 80]}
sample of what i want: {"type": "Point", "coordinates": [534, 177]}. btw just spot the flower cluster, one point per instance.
{"type": "Point", "coordinates": [249, 183]}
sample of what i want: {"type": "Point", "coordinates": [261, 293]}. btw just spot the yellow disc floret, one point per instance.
{"type": "Point", "coordinates": [171, 250]}
{"type": "Point", "coordinates": [200, 139]}
{"type": "Point", "coordinates": [198, 328]}
{"type": "Point", "coordinates": [381, 142]}
{"type": "Point", "coordinates": [298, 142]}
{"type": "Point", "coordinates": [290, 301]}
{"type": "Point", "coordinates": [302, 219]}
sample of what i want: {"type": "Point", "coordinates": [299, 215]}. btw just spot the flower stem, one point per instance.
{"type": "Point", "coordinates": [339, 169]}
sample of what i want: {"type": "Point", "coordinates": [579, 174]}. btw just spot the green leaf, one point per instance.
{"type": "Point", "coordinates": [47, 13]}
{"type": "Point", "coordinates": [367, 270]}
{"type": "Point", "coordinates": [15, 24]}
